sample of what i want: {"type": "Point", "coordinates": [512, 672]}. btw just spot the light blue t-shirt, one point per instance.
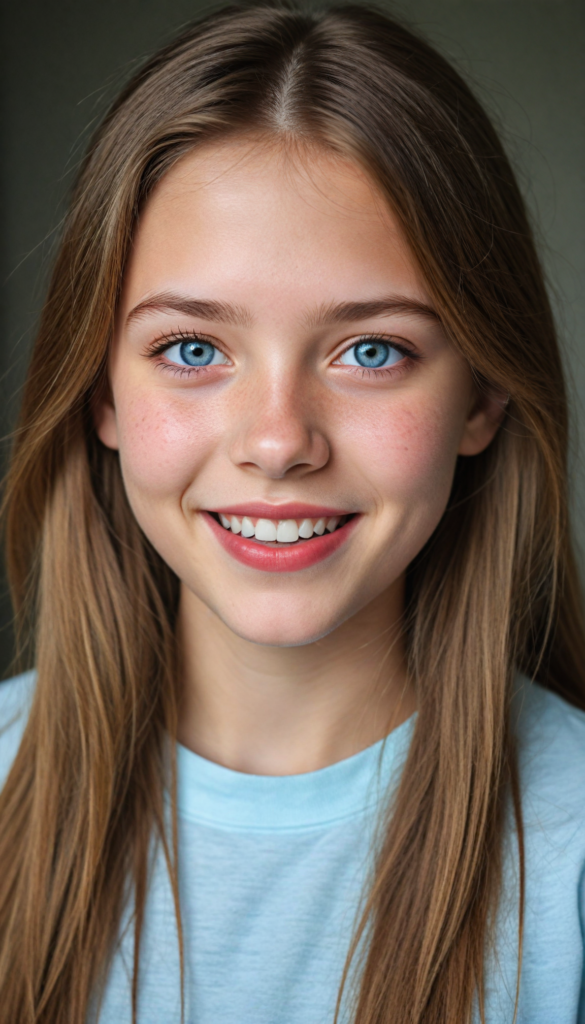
{"type": "Point", "coordinates": [272, 870]}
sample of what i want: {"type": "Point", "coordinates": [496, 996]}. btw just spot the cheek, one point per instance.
{"type": "Point", "coordinates": [163, 441]}
{"type": "Point", "coordinates": [408, 450]}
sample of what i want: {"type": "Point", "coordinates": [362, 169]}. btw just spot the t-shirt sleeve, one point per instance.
{"type": "Point", "coordinates": [581, 1011]}
{"type": "Point", "coordinates": [552, 772]}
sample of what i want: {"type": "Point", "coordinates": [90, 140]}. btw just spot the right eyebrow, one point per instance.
{"type": "Point", "coordinates": [346, 312]}
{"type": "Point", "coordinates": [203, 309]}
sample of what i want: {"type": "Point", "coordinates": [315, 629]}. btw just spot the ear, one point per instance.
{"type": "Point", "coordinates": [486, 413]}
{"type": "Point", "coordinates": [104, 417]}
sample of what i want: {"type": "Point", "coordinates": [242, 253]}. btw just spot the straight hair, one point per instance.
{"type": "Point", "coordinates": [494, 592]}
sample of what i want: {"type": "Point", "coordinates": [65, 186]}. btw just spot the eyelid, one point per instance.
{"type": "Point", "coordinates": [165, 341]}
{"type": "Point", "coordinates": [398, 343]}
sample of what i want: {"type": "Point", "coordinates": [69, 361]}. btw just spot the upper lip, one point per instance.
{"type": "Point", "coordinates": [289, 510]}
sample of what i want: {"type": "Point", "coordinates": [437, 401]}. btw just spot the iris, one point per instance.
{"type": "Point", "coordinates": [372, 353]}
{"type": "Point", "coordinates": [197, 353]}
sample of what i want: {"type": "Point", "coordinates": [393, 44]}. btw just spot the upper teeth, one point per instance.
{"type": "Point", "coordinates": [285, 531]}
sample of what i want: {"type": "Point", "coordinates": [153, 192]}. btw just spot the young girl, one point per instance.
{"type": "Point", "coordinates": [287, 535]}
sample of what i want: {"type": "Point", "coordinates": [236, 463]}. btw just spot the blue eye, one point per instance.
{"type": "Point", "coordinates": [372, 354]}
{"type": "Point", "coordinates": [195, 352]}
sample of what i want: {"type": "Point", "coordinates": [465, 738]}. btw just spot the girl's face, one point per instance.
{"type": "Point", "coordinates": [278, 368]}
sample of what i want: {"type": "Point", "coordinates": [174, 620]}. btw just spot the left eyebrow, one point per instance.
{"type": "Point", "coordinates": [202, 309]}
{"type": "Point", "coordinates": [344, 312]}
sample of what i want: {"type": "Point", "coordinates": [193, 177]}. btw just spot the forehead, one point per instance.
{"type": "Point", "coordinates": [250, 216]}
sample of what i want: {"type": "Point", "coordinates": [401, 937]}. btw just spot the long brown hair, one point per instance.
{"type": "Point", "coordinates": [494, 591]}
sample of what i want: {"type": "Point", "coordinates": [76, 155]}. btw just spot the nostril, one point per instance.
{"type": "Point", "coordinates": [276, 449]}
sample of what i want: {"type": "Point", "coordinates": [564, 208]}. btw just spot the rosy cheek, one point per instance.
{"type": "Point", "coordinates": [164, 439]}
{"type": "Point", "coordinates": [410, 449]}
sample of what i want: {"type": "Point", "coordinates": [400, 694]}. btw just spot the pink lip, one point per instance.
{"type": "Point", "coordinates": [292, 510]}
{"type": "Point", "coordinates": [282, 559]}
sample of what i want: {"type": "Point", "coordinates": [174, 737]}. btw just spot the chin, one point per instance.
{"type": "Point", "coordinates": [279, 631]}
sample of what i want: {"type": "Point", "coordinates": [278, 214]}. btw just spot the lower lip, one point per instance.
{"type": "Point", "coordinates": [287, 558]}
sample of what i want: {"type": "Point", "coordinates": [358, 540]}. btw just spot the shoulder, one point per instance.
{"type": "Point", "coordinates": [551, 747]}
{"type": "Point", "coordinates": [550, 735]}
{"type": "Point", "coordinates": [15, 700]}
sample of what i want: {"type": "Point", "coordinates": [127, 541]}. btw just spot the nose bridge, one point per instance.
{"type": "Point", "coordinates": [283, 399]}
{"type": "Point", "coordinates": [279, 428]}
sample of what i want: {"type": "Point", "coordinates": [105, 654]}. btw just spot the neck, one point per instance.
{"type": "Point", "coordinates": [286, 710]}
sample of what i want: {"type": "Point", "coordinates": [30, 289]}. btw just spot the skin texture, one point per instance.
{"type": "Point", "coordinates": [287, 672]}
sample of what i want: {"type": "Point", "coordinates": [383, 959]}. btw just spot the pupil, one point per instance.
{"type": "Point", "coordinates": [197, 353]}
{"type": "Point", "coordinates": [372, 353]}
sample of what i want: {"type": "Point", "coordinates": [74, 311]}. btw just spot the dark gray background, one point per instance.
{"type": "Point", "coordinates": [64, 60]}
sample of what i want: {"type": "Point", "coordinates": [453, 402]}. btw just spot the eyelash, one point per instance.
{"type": "Point", "coordinates": [161, 344]}
{"type": "Point", "coordinates": [406, 352]}
{"type": "Point", "coordinates": [166, 341]}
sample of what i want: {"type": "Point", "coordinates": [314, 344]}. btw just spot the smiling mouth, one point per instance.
{"type": "Point", "coordinates": [280, 533]}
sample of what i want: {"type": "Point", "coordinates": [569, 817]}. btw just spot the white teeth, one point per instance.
{"type": "Point", "coordinates": [287, 531]}
{"type": "Point", "coordinates": [306, 529]}
{"type": "Point", "coordinates": [265, 530]}
{"type": "Point", "coordinates": [247, 527]}
{"type": "Point", "coordinates": [283, 531]}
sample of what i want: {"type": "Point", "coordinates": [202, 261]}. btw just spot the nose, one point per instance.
{"type": "Point", "coordinates": [277, 432]}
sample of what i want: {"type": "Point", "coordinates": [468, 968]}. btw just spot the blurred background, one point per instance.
{"type": "Point", "coordinates": [64, 60]}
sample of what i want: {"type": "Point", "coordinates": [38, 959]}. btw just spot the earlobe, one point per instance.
{"type": "Point", "coordinates": [483, 421]}
{"type": "Point", "coordinates": [105, 421]}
